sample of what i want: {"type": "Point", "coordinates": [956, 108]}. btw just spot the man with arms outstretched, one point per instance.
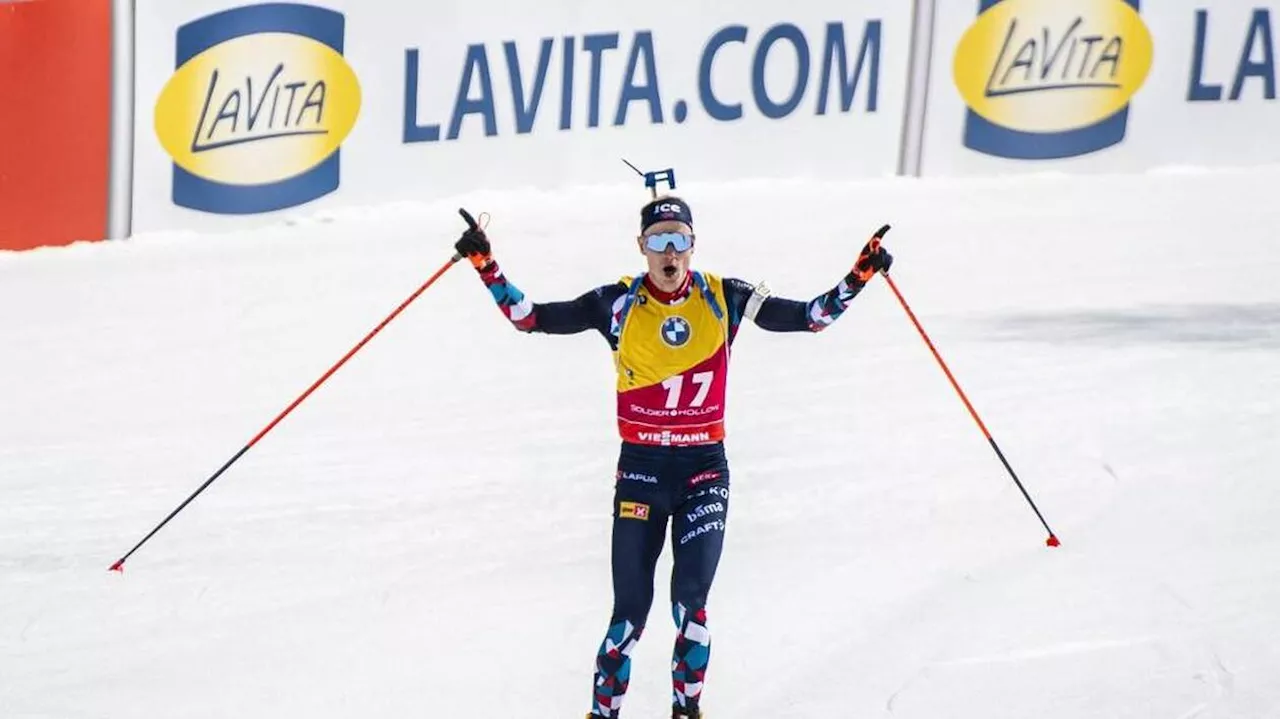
{"type": "Point", "coordinates": [671, 330]}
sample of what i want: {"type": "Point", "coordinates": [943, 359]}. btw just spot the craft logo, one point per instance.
{"type": "Point", "coordinates": [717, 525]}
{"type": "Point", "coordinates": [257, 108]}
{"type": "Point", "coordinates": [1047, 79]}
{"type": "Point", "coordinates": [633, 510]}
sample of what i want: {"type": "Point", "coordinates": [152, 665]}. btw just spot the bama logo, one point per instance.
{"type": "Point", "coordinates": [257, 109]}
{"type": "Point", "coordinates": [1044, 79]}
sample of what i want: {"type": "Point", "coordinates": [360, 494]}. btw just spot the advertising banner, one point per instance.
{"type": "Point", "coordinates": [1100, 85]}
{"type": "Point", "coordinates": [245, 111]}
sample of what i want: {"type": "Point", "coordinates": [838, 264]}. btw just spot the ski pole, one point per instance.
{"type": "Point", "coordinates": [1052, 541]}
{"type": "Point", "coordinates": [119, 565]}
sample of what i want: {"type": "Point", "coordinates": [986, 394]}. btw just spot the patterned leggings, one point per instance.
{"type": "Point", "coordinates": [690, 487]}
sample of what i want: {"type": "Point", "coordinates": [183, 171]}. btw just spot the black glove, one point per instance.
{"type": "Point", "coordinates": [474, 246]}
{"type": "Point", "coordinates": [874, 258]}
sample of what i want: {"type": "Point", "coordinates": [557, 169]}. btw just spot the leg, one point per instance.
{"type": "Point", "coordinates": [697, 532]}
{"type": "Point", "coordinates": [639, 526]}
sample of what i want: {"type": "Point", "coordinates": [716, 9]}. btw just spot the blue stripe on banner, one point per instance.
{"type": "Point", "coordinates": [320, 24]}
{"type": "Point", "coordinates": [200, 194]}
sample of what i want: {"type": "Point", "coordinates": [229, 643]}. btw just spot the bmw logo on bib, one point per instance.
{"type": "Point", "coordinates": [676, 331]}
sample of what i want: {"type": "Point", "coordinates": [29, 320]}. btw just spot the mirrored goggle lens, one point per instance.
{"type": "Point", "coordinates": [677, 240]}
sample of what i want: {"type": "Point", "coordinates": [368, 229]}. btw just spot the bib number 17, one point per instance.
{"type": "Point", "coordinates": [675, 386]}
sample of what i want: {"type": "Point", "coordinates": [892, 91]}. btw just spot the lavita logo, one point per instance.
{"type": "Point", "coordinates": [1050, 80]}
{"type": "Point", "coordinates": [257, 108]}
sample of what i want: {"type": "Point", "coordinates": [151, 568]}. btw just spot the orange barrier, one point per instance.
{"type": "Point", "coordinates": [55, 121]}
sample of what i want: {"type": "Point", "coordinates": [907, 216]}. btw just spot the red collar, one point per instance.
{"type": "Point", "coordinates": [669, 297]}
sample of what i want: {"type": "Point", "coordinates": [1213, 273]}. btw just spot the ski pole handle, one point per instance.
{"type": "Point", "coordinates": [471, 221]}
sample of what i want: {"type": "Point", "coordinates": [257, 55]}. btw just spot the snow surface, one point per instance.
{"type": "Point", "coordinates": [427, 535]}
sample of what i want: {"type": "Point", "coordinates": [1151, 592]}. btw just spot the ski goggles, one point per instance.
{"type": "Point", "coordinates": [659, 241]}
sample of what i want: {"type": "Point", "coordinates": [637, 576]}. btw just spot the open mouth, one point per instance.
{"type": "Point", "coordinates": [669, 270]}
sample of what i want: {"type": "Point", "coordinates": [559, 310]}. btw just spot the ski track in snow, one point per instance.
{"type": "Point", "coordinates": [428, 533]}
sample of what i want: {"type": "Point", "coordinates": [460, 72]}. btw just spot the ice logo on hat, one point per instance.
{"type": "Point", "coordinates": [676, 331]}
{"type": "Point", "coordinates": [668, 209]}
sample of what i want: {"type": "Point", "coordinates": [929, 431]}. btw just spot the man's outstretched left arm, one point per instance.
{"type": "Point", "coordinates": [777, 314]}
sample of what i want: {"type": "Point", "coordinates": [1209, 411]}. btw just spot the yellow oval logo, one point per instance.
{"type": "Point", "coordinates": [1050, 66]}
{"type": "Point", "coordinates": [258, 109]}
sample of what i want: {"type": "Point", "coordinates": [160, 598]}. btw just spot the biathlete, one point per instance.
{"type": "Point", "coordinates": [671, 329]}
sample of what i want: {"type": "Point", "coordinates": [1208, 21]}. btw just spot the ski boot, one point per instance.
{"type": "Point", "coordinates": [687, 713]}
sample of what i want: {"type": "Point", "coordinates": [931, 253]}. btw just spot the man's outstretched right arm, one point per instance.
{"type": "Point", "coordinates": [592, 310]}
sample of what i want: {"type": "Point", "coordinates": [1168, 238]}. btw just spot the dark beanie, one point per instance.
{"type": "Point", "coordinates": [663, 209]}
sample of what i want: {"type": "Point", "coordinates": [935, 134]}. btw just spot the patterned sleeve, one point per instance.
{"type": "Point", "coordinates": [778, 314]}
{"type": "Point", "coordinates": [590, 311]}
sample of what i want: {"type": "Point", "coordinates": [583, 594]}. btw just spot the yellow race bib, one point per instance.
{"type": "Point", "coordinates": [672, 362]}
